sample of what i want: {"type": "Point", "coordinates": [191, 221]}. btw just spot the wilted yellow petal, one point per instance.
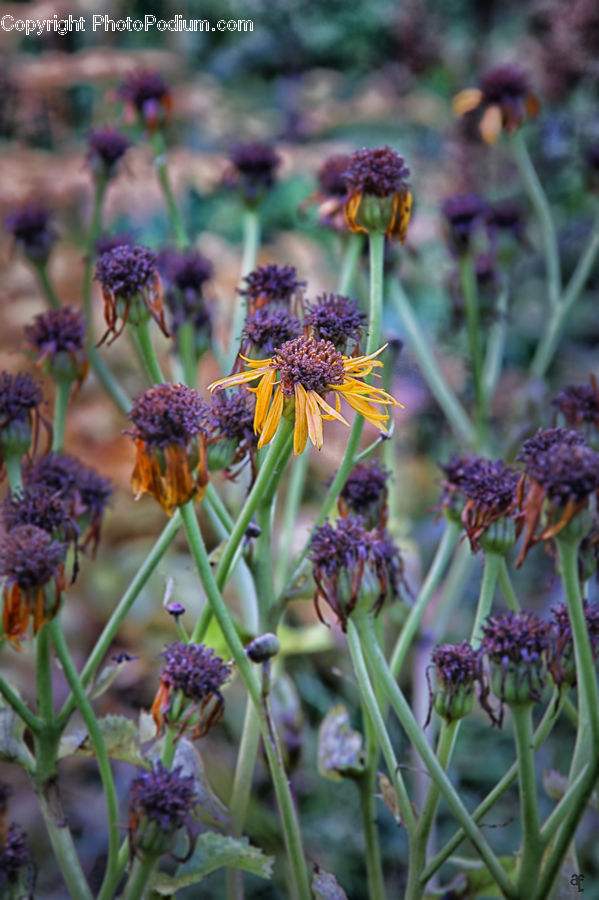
{"type": "Point", "coordinates": [490, 124]}
{"type": "Point", "coordinates": [263, 394]}
{"type": "Point", "coordinates": [272, 420]}
{"type": "Point", "coordinates": [300, 430]}
{"type": "Point", "coordinates": [314, 420]}
{"type": "Point", "coordinates": [466, 101]}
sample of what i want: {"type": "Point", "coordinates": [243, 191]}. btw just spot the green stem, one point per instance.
{"type": "Point", "coordinates": [367, 788]}
{"type": "Point", "coordinates": [549, 340]}
{"type": "Point", "coordinates": [21, 709]}
{"type": "Point", "coordinates": [495, 346]}
{"type": "Point", "coordinates": [413, 730]}
{"type": "Point", "coordinates": [288, 815]}
{"type": "Point", "coordinates": [376, 247]}
{"type": "Point", "coordinates": [64, 852]}
{"type": "Point", "coordinates": [120, 613]}
{"type": "Point", "coordinates": [140, 874]}
{"type": "Point", "coordinates": [470, 292]}
{"type": "Point", "coordinates": [142, 341]}
{"type": "Point", "coordinates": [365, 453]}
{"type": "Point", "coordinates": [187, 353]}
{"type": "Point", "coordinates": [242, 786]}
{"type": "Point", "coordinates": [262, 564]}
{"type": "Point", "coordinates": [160, 162]}
{"type": "Point", "coordinates": [47, 287]}
{"type": "Point", "coordinates": [251, 243]}
{"type": "Point", "coordinates": [351, 257]}
{"type": "Point", "coordinates": [536, 194]}
{"type": "Point", "coordinates": [532, 847]}
{"type": "Point", "coordinates": [451, 406]}
{"type": "Point", "coordinates": [549, 719]}
{"type": "Point", "coordinates": [293, 498]}
{"type": "Point", "coordinates": [13, 471]}
{"type": "Point", "coordinates": [96, 739]}
{"type": "Point", "coordinates": [505, 583]}
{"type": "Point", "coordinates": [492, 565]}
{"type": "Point", "coordinates": [433, 577]}
{"type": "Point", "coordinates": [61, 402]}
{"type": "Point", "coordinates": [219, 508]}
{"type": "Point", "coordinates": [370, 703]}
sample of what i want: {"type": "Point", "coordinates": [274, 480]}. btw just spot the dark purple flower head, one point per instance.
{"type": "Point", "coordinates": [17, 873]}
{"type": "Point", "coordinates": [566, 472]}
{"type": "Point", "coordinates": [579, 404]}
{"type": "Point", "coordinates": [365, 493]}
{"type": "Point", "coordinates": [515, 645]}
{"type": "Point", "coordinates": [254, 164]}
{"type": "Point", "coordinates": [20, 396]}
{"type": "Point", "coordinates": [195, 670]}
{"type": "Point", "coordinates": [108, 242]}
{"type": "Point", "coordinates": [269, 327]}
{"type": "Point", "coordinates": [546, 439]}
{"type": "Point", "coordinates": [505, 216]}
{"type": "Point", "coordinates": [29, 557]}
{"type": "Point", "coordinates": [331, 175]}
{"type": "Point", "coordinates": [485, 270]}
{"type": "Point", "coordinates": [32, 231]}
{"type": "Point", "coordinates": [313, 364]}
{"type": "Point", "coordinates": [462, 214]}
{"type": "Point", "coordinates": [58, 338]}
{"type": "Point", "coordinates": [456, 670]}
{"type": "Point", "coordinates": [336, 318]}
{"type": "Point", "coordinates": [561, 650]}
{"type": "Point", "coordinates": [162, 796]}
{"type": "Point", "coordinates": [379, 173]}
{"type": "Point", "coordinates": [150, 96]}
{"type": "Point", "coordinates": [271, 284]}
{"type": "Point", "coordinates": [231, 413]}
{"type": "Point", "coordinates": [184, 274]}
{"type": "Point", "coordinates": [106, 147]}
{"type": "Point", "coordinates": [507, 83]}
{"type": "Point", "coordinates": [41, 507]}
{"type": "Point", "coordinates": [168, 414]}
{"type": "Point", "coordinates": [126, 271]}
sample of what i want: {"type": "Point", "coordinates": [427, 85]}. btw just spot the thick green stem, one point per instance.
{"type": "Point", "coordinates": [64, 851]}
{"type": "Point", "coordinates": [429, 585]}
{"type": "Point", "coordinates": [491, 569]}
{"type": "Point", "coordinates": [293, 498]}
{"type": "Point", "coordinates": [251, 243]}
{"type": "Point", "coordinates": [547, 345]}
{"type": "Point", "coordinates": [47, 287]}
{"type": "Point", "coordinates": [96, 739]}
{"type": "Point", "coordinates": [160, 162]}
{"type": "Point", "coordinates": [351, 257]}
{"type": "Point", "coordinates": [13, 471]}
{"type": "Point", "coordinates": [61, 402]}
{"type": "Point", "coordinates": [507, 588]}
{"type": "Point", "coordinates": [532, 848]}
{"type": "Point", "coordinates": [451, 406]}
{"type": "Point", "coordinates": [122, 609]}
{"type": "Point", "coordinates": [367, 788]}
{"type": "Point", "coordinates": [414, 732]}
{"type": "Point", "coordinates": [140, 875]}
{"type": "Point", "coordinates": [470, 293]}
{"type": "Point", "coordinates": [142, 341]}
{"type": "Point", "coordinates": [288, 815]}
{"type": "Point", "coordinates": [536, 194]}
{"type": "Point", "coordinates": [242, 786]}
{"type": "Point", "coordinates": [540, 736]}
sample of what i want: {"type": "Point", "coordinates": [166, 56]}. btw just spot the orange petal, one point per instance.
{"type": "Point", "coordinates": [466, 101]}
{"type": "Point", "coordinates": [231, 380]}
{"type": "Point", "coordinates": [272, 420]}
{"type": "Point", "coordinates": [300, 429]}
{"type": "Point", "coordinates": [331, 413]}
{"type": "Point", "coordinates": [490, 124]}
{"type": "Point", "coordinates": [314, 420]}
{"type": "Point", "coordinates": [263, 395]}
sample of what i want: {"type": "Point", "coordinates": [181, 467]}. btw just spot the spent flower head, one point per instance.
{"type": "Point", "coordinates": [332, 191]}
{"type": "Point", "coordinates": [20, 416]}
{"type": "Point", "coordinates": [252, 170]}
{"type": "Point", "coordinates": [131, 288]}
{"type": "Point", "coordinates": [365, 494]}
{"type": "Point", "coordinates": [457, 668]}
{"type": "Point", "coordinates": [106, 147]}
{"type": "Point", "coordinates": [33, 233]}
{"type": "Point", "coordinates": [170, 437]}
{"type": "Point", "coordinates": [379, 199]}
{"type": "Point", "coordinates": [57, 336]}
{"type": "Point", "coordinates": [462, 214]}
{"type": "Point", "coordinates": [269, 327]}
{"type": "Point", "coordinates": [161, 802]}
{"type": "Point", "coordinates": [184, 274]}
{"type": "Point", "coordinates": [231, 438]}
{"type": "Point", "coordinates": [336, 318]}
{"type": "Point", "coordinates": [503, 99]}
{"type": "Point", "coordinates": [561, 659]}
{"type": "Point", "coordinates": [17, 871]}
{"type": "Point", "coordinates": [149, 96]}
{"type": "Point", "coordinates": [579, 405]}
{"type": "Point", "coordinates": [272, 284]}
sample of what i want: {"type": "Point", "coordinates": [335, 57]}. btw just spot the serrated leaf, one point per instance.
{"type": "Point", "coordinates": [106, 677]}
{"type": "Point", "coordinates": [215, 851]}
{"type": "Point", "coordinates": [340, 753]}
{"type": "Point", "coordinates": [326, 887]}
{"type": "Point", "coordinates": [120, 738]}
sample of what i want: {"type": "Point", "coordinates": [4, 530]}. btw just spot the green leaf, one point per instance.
{"type": "Point", "coordinates": [475, 880]}
{"type": "Point", "coordinates": [215, 851]}
{"type": "Point", "coordinates": [12, 746]}
{"type": "Point", "coordinates": [105, 678]}
{"type": "Point", "coordinates": [120, 737]}
{"type": "Point", "coordinates": [340, 752]}
{"type": "Point", "coordinates": [326, 887]}
{"type": "Point", "coordinates": [312, 639]}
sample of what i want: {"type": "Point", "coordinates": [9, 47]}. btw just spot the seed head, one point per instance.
{"type": "Point", "coordinates": [29, 557]}
{"type": "Point", "coordinates": [30, 226]}
{"type": "Point", "coordinates": [20, 396]}
{"type": "Point", "coordinates": [271, 284]}
{"type": "Point", "coordinates": [336, 318]}
{"type": "Point", "coordinates": [17, 872]}
{"type": "Point", "coordinates": [579, 404]}
{"type": "Point", "coordinates": [365, 494]}
{"type": "Point", "coordinates": [561, 660]}
{"type": "Point", "coordinates": [269, 327]}
{"type": "Point", "coordinates": [106, 147]}
{"type": "Point", "coordinates": [195, 670]}
{"type": "Point", "coordinates": [253, 168]}
{"type": "Point", "coordinates": [131, 288]}
{"type": "Point", "coordinates": [311, 363]}
{"type": "Point", "coordinates": [331, 175]}
{"type": "Point", "coordinates": [456, 670]}
{"type": "Point", "coordinates": [58, 338]}
{"type": "Point", "coordinates": [160, 803]}
{"type": "Point", "coordinates": [377, 173]}
{"type": "Point", "coordinates": [168, 414]}
{"type": "Point", "coordinates": [462, 213]}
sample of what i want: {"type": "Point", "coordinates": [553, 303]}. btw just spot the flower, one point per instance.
{"type": "Point", "coordinates": [83, 492]}
{"type": "Point", "coordinates": [109, 241]}
{"type": "Point", "coordinates": [17, 872]}
{"type": "Point", "coordinates": [490, 491]}
{"type": "Point", "coordinates": [272, 284]}
{"type": "Point", "coordinates": [20, 417]}
{"type": "Point", "coordinates": [336, 318]}
{"type": "Point", "coordinates": [41, 507]}
{"type": "Point", "coordinates": [378, 198]}
{"type": "Point", "coordinates": [515, 644]}
{"type": "Point", "coordinates": [503, 98]}
{"type": "Point", "coordinates": [253, 167]}
{"type": "Point", "coordinates": [332, 191]}
{"type": "Point", "coordinates": [365, 494]}
{"type": "Point", "coordinates": [131, 288]}
{"type": "Point", "coordinates": [561, 474]}
{"type": "Point", "coordinates": [29, 560]}
{"type": "Point", "coordinates": [230, 425]}
{"type": "Point", "coordinates": [106, 147]}
{"type": "Point", "coordinates": [308, 369]}
{"type": "Point", "coordinates": [351, 564]}
{"type": "Point", "coordinates": [184, 274]}
{"type": "Point", "coordinates": [462, 213]}
{"type": "Point", "coordinates": [579, 404]}
{"type": "Point", "coordinates": [58, 337]}
{"type": "Point", "coordinates": [196, 673]}
{"type": "Point", "coordinates": [170, 438]}
{"type": "Point", "coordinates": [30, 227]}
{"type": "Point", "coordinates": [160, 804]}
{"type": "Point", "coordinates": [269, 327]}
{"type": "Point", "coordinates": [149, 95]}
{"type": "Point", "coordinates": [561, 662]}
{"type": "Point", "coordinates": [456, 669]}
{"type": "Point", "coordinates": [507, 216]}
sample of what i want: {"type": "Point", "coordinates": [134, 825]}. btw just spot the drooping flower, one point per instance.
{"type": "Point", "coordinates": [170, 437]}
{"type": "Point", "coordinates": [106, 148]}
{"type": "Point", "coordinates": [29, 561]}
{"type": "Point", "coordinates": [30, 226]}
{"type": "Point", "coordinates": [457, 668]}
{"type": "Point", "coordinates": [378, 197]}
{"type": "Point", "coordinates": [301, 372]}
{"type": "Point", "coordinates": [161, 802]}
{"type": "Point", "coordinates": [365, 494]}
{"type": "Point", "coordinates": [503, 98]}
{"type": "Point", "coordinates": [131, 288]}
{"type": "Point", "coordinates": [336, 318]}
{"type": "Point", "coordinates": [149, 96]}
{"type": "Point", "coordinates": [58, 337]}
{"type": "Point", "coordinates": [272, 284]}
{"type": "Point", "coordinates": [252, 170]}
{"type": "Point", "coordinates": [193, 673]}
{"type": "Point", "coordinates": [231, 438]}
{"type": "Point", "coordinates": [20, 416]}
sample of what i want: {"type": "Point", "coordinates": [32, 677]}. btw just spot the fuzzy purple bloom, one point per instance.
{"type": "Point", "coordinates": [231, 414]}
{"type": "Point", "coordinates": [269, 327]}
{"type": "Point", "coordinates": [108, 242]}
{"type": "Point", "coordinates": [106, 147]}
{"type": "Point", "coordinates": [41, 507]}
{"type": "Point", "coordinates": [331, 175]}
{"type": "Point", "coordinates": [32, 231]}
{"type": "Point", "coordinates": [168, 414]}
{"type": "Point", "coordinates": [29, 557]}
{"type": "Point", "coordinates": [184, 274]}
{"type": "Point", "coordinates": [16, 864]}
{"type": "Point", "coordinates": [365, 493]}
{"type": "Point", "coordinates": [20, 396]}
{"type": "Point", "coordinates": [195, 670]}
{"type": "Point", "coordinates": [566, 472]}
{"type": "Point", "coordinates": [579, 404]}
{"type": "Point", "coordinates": [255, 164]}
{"type": "Point", "coordinates": [59, 331]}
{"type": "Point", "coordinates": [150, 95]}
{"type": "Point", "coordinates": [164, 797]}
{"type": "Point", "coordinates": [379, 172]}
{"type": "Point", "coordinates": [126, 271]}
{"type": "Point", "coordinates": [462, 214]}
{"type": "Point", "coordinates": [505, 84]}
{"type": "Point", "coordinates": [336, 318]}
{"type": "Point", "coordinates": [271, 284]}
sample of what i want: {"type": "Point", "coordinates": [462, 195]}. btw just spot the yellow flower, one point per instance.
{"type": "Point", "coordinates": [304, 370]}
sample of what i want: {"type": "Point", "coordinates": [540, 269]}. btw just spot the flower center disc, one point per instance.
{"type": "Point", "coordinates": [313, 364]}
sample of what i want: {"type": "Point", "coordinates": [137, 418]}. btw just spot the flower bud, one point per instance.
{"type": "Point", "coordinates": [456, 670]}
